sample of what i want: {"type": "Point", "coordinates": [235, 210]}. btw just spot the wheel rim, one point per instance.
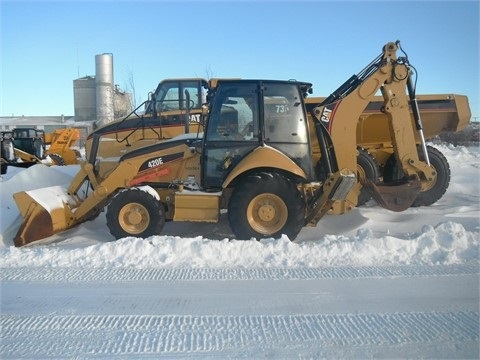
{"type": "Point", "coordinates": [134, 218]}
{"type": "Point", "coordinates": [267, 213]}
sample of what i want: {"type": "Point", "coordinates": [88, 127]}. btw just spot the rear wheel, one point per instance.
{"type": "Point", "coordinates": [266, 205]}
{"type": "Point", "coordinates": [436, 190]}
{"type": "Point", "coordinates": [367, 168]}
{"type": "Point", "coordinates": [136, 213]}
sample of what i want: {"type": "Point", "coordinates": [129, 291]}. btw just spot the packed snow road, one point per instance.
{"type": "Point", "coordinates": [280, 313]}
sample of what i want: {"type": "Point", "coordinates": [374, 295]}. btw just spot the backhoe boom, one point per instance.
{"type": "Point", "coordinates": [336, 120]}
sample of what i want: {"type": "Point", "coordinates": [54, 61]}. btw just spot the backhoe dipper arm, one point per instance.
{"type": "Point", "coordinates": [336, 121]}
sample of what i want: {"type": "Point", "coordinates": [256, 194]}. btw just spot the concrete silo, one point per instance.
{"type": "Point", "coordinates": [84, 98]}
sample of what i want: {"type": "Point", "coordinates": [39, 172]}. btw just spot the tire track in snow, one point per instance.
{"type": "Point", "coordinates": [176, 274]}
{"type": "Point", "coordinates": [60, 336]}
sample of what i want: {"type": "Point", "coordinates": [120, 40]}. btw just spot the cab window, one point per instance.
{"type": "Point", "coordinates": [170, 96]}
{"type": "Point", "coordinates": [234, 116]}
{"type": "Point", "coordinates": [285, 124]}
{"type": "Point", "coordinates": [170, 99]}
{"type": "Point", "coordinates": [283, 114]}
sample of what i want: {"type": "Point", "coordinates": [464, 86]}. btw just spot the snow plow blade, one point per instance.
{"type": "Point", "coordinates": [45, 212]}
{"type": "Point", "coordinates": [397, 196]}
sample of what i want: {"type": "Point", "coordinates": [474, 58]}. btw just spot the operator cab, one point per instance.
{"type": "Point", "coordinates": [171, 95]}
{"type": "Point", "coordinates": [247, 114]}
{"type": "Point", "coordinates": [166, 107]}
{"type": "Point", "coordinates": [30, 140]}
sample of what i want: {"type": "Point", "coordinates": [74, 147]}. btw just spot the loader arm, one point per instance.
{"type": "Point", "coordinates": [48, 211]}
{"type": "Point", "coordinates": [336, 121]}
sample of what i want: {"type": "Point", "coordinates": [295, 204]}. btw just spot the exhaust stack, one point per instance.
{"type": "Point", "coordinates": [104, 87]}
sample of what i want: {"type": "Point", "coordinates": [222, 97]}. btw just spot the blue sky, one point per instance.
{"type": "Point", "coordinates": [45, 45]}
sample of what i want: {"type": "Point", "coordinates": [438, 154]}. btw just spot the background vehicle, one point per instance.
{"type": "Point", "coordinates": [256, 159]}
{"type": "Point", "coordinates": [59, 146]}
{"type": "Point", "coordinates": [24, 147]}
{"type": "Point", "coordinates": [7, 149]}
{"type": "Point", "coordinates": [176, 107]}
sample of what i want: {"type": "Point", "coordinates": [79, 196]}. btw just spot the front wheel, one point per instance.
{"type": "Point", "coordinates": [266, 205]}
{"type": "Point", "coordinates": [135, 212]}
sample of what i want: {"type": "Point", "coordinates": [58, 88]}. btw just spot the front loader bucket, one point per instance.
{"type": "Point", "coordinates": [395, 196]}
{"type": "Point", "coordinates": [45, 212]}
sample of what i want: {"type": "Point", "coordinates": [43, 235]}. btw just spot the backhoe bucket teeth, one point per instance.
{"type": "Point", "coordinates": [45, 212]}
{"type": "Point", "coordinates": [396, 196]}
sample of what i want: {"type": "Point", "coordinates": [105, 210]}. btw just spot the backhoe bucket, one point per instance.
{"type": "Point", "coordinates": [397, 196]}
{"type": "Point", "coordinates": [45, 212]}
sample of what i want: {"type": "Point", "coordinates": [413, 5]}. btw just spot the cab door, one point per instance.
{"type": "Point", "coordinates": [232, 131]}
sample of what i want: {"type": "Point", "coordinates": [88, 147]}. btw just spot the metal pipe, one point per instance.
{"type": "Point", "coordinates": [326, 156]}
{"type": "Point", "coordinates": [187, 111]}
{"type": "Point", "coordinates": [416, 116]}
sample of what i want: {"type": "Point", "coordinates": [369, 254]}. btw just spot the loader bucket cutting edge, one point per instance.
{"type": "Point", "coordinates": [395, 197]}
{"type": "Point", "coordinates": [44, 214]}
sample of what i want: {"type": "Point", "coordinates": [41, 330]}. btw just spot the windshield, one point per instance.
{"type": "Point", "coordinates": [171, 95]}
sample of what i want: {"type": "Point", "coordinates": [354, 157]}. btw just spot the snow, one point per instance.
{"type": "Point", "coordinates": [371, 283]}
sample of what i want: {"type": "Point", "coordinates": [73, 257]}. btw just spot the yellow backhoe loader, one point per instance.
{"type": "Point", "coordinates": [260, 157]}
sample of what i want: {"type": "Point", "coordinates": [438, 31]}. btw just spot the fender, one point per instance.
{"type": "Point", "coordinates": [261, 157]}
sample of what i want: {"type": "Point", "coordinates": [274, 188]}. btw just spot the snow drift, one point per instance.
{"type": "Point", "coordinates": [445, 233]}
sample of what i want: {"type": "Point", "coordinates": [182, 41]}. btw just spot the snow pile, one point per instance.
{"type": "Point", "coordinates": [448, 243]}
{"type": "Point", "coordinates": [447, 233]}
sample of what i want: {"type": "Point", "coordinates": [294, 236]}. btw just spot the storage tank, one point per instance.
{"type": "Point", "coordinates": [84, 99]}
{"type": "Point", "coordinates": [104, 89]}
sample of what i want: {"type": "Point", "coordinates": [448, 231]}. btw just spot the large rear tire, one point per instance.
{"type": "Point", "coordinates": [266, 205]}
{"type": "Point", "coordinates": [367, 168]}
{"type": "Point", "coordinates": [135, 213]}
{"type": "Point", "coordinates": [437, 189]}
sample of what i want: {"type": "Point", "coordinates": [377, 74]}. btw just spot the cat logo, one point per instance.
{"type": "Point", "coordinates": [326, 115]}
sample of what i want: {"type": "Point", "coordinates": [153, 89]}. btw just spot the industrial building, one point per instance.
{"type": "Point", "coordinates": [97, 101]}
